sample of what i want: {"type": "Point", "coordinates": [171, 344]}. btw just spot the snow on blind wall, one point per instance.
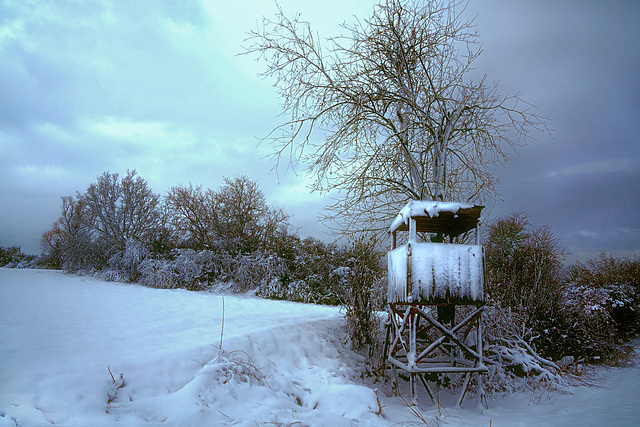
{"type": "Point", "coordinates": [438, 271]}
{"type": "Point", "coordinates": [397, 260]}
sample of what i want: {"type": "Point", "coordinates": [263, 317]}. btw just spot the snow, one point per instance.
{"type": "Point", "coordinates": [63, 336]}
{"type": "Point", "coordinates": [437, 270]}
{"type": "Point", "coordinates": [397, 271]}
{"type": "Point", "coordinates": [427, 208]}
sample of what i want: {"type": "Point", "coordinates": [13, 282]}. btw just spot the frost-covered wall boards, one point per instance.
{"type": "Point", "coordinates": [436, 273]}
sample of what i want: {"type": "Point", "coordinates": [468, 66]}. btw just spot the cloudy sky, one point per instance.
{"type": "Point", "coordinates": [157, 86]}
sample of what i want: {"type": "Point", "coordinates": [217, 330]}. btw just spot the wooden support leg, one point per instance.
{"type": "Point", "coordinates": [426, 387]}
{"type": "Point", "coordinates": [413, 377]}
{"type": "Point", "coordinates": [465, 386]}
{"type": "Point", "coordinates": [411, 357]}
{"type": "Point", "coordinates": [387, 338]}
{"type": "Point", "coordinates": [415, 353]}
{"type": "Point", "coordinates": [480, 397]}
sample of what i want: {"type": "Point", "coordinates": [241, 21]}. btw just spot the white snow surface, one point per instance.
{"type": "Point", "coordinates": [61, 334]}
{"type": "Point", "coordinates": [437, 269]}
{"type": "Point", "coordinates": [428, 208]}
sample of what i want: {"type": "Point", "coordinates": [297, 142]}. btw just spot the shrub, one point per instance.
{"type": "Point", "coordinates": [256, 269]}
{"type": "Point", "coordinates": [525, 274]}
{"type": "Point", "coordinates": [515, 364]}
{"type": "Point", "coordinates": [157, 273]}
{"type": "Point", "coordinates": [124, 265]}
{"type": "Point", "coordinates": [356, 283]}
{"type": "Point", "coordinates": [603, 271]}
{"type": "Point", "coordinates": [588, 331]}
{"type": "Point", "coordinates": [307, 271]}
{"type": "Point", "coordinates": [13, 257]}
{"type": "Point", "coordinates": [184, 268]}
{"type": "Point", "coordinates": [601, 307]}
{"type": "Point", "coordinates": [297, 291]}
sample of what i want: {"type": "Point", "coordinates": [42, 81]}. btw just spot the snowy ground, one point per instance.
{"type": "Point", "coordinates": [62, 337]}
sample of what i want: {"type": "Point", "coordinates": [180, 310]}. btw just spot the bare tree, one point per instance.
{"type": "Point", "coordinates": [121, 209]}
{"type": "Point", "coordinates": [248, 223]}
{"type": "Point", "coordinates": [194, 215]}
{"type": "Point", "coordinates": [69, 244]}
{"type": "Point", "coordinates": [236, 217]}
{"type": "Point", "coordinates": [390, 113]}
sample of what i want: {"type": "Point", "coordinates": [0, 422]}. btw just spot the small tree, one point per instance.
{"type": "Point", "coordinates": [51, 247]}
{"type": "Point", "coordinates": [235, 218]}
{"type": "Point", "coordinates": [194, 215]}
{"type": "Point", "coordinates": [524, 268]}
{"type": "Point", "coordinates": [69, 243]}
{"type": "Point", "coordinates": [97, 224]}
{"type": "Point", "coordinates": [119, 210]}
{"type": "Point", "coordinates": [356, 283]}
{"type": "Point", "coordinates": [247, 222]}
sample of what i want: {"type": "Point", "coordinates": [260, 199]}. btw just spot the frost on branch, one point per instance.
{"type": "Point", "coordinates": [516, 365]}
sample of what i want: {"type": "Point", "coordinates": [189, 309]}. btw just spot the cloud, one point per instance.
{"type": "Point", "coordinates": [576, 61]}
{"type": "Point", "coordinates": [158, 86]}
{"type": "Point", "coordinates": [625, 165]}
{"type": "Point", "coordinates": [583, 244]}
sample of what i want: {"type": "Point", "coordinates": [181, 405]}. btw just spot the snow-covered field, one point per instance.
{"type": "Point", "coordinates": [65, 341]}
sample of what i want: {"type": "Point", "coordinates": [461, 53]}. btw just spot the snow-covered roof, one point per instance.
{"type": "Point", "coordinates": [450, 218]}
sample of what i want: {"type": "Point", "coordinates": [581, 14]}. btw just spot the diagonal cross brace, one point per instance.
{"type": "Point", "coordinates": [451, 335]}
{"type": "Point", "coordinates": [439, 341]}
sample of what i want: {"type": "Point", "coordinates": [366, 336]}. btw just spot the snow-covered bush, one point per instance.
{"type": "Point", "coordinates": [157, 273]}
{"type": "Point", "coordinates": [585, 313]}
{"type": "Point", "coordinates": [256, 269]}
{"type": "Point", "coordinates": [524, 273]}
{"type": "Point", "coordinates": [183, 270]}
{"type": "Point", "coordinates": [307, 271]}
{"type": "Point", "coordinates": [589, 331]}
{"type": "Point", "coordinates": [355, 283]}
{"type": "Point", "coordinates": [620, 280]}
{"type": "Point", "coordinates": [601, 308]}
{"type": "Point", "coordinates": [310, 265]}
{"type": "Point", "coordinates": [84, 256]}
{"type": "Point", "coordinates": [123, 266]}
{"type": "Point", "coordinates": [13, 257]}
{"type": "Point", "coordinates": [297, 291]}
{"type": "Point", "coordinates": [514, 364]}
{"type": "Point", "coordinates": [187, 269]}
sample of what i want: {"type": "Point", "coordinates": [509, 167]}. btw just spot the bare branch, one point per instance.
{"type": "Point", "coordinates": [389, 113]}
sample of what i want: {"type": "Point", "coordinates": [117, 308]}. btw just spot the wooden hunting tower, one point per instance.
{"type": "Point", "coordinates": [427, 336]}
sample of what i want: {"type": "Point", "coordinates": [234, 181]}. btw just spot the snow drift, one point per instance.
{"type": "Point", "coordinates": [77, 351]}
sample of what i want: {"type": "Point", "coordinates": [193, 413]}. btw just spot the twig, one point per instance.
{"type": "Point", "coordinates": [379, 411]}
{"type": "Point", "coordinates": [537, 357]}
{"type": "Point", "coordinates": [221, 329]}
{"type": "Point", "coordinates": [251, 365]}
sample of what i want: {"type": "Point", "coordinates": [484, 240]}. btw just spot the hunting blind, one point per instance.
{"type": "Point", "coordinates": [436, 296]}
